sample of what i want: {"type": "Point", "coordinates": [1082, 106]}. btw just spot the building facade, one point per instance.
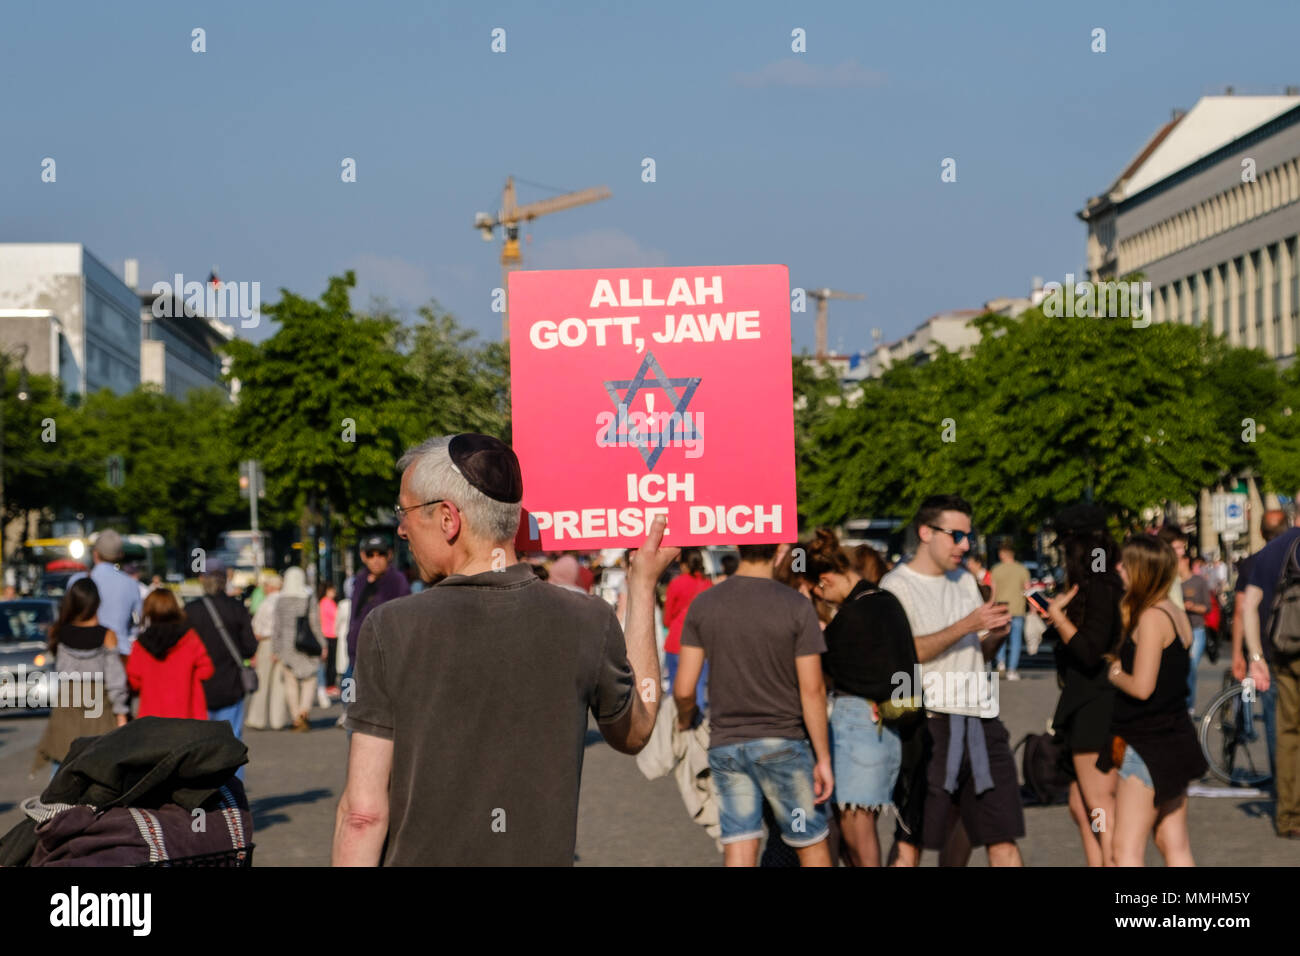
{"type": "Point", "coordinates": [90, 329]}
{"type": "Point", "coordinates": [1209, 212]}
{"type": "Point", "coordinates": [80, 322]}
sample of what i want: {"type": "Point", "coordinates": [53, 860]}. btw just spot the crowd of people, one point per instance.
{"type": "Point", "coordinates": [832, 688]}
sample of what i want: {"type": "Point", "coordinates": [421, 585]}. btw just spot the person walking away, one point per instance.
{"type": "Point", "coordinates": [119, 594]}
{"type": "Point", "coordinates": [1085, 619]}
{"type": "Point", "coordinates": [329, 678]}
{"type": "Point", "coordinates": [1271, 525]}
{"type": "Point", "coordinates": [1272, 564]}
{"type": "Point", "coordinates": [971, 773]}
{"type": "Point", "coordinates": [1152, 743]}
{"type": "Point", "coordinates": [867, 643]}
{"type": "Point", "coordinates": [682, 590]}
{"type": "Point", "coordinates": [226, 630]}
{"type": "Point", "coordinates": [1010, 581]}
{"type": "Point", "coordinates": [294, 605]}
{"type": "Point", "coordinates": [85, 655]}
{"type": "Point", "coordinates": [266, 707]}
{"type": "Point", "coordinates": [769, 738]}
{"type": "Point", "coordinates": [473, 697]}
{"type": "Point", "coordinates": [169, 663]}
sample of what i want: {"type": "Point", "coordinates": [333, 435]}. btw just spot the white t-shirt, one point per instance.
{"type": "Point", "coordinates": [958, 680]}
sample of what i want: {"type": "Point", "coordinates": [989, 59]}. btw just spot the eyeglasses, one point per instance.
{"type": "Point", "coordinates": [401, 512]}
{"type": "Point", "coordinates": [957, 536]}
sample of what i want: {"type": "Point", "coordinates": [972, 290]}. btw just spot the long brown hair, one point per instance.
{"type": "Point", "coordinates": [81, 601]}
{"type": "Point", "coordinates": [1152, 566]}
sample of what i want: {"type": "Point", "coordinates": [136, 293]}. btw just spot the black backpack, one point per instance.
{"type": "Point", "coordinates": [1284, 616]}
{"type": "Point", "coordinates": [1043, 767]}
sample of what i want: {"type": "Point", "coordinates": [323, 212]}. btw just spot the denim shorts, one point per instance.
{"type": "Point", "coordinates": [775, 768]}
{"type": "Point", "coordinates": [1133, 765]}
{"type": "Point", "coordinates": [865, 756]}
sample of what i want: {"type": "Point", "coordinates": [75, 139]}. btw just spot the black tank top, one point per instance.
{"type": "Point", "coordinates": [1170, 694]}
{"type": "Point", "coordinates": [83, 638]}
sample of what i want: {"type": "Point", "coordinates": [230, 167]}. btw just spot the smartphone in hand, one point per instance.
{"type": "Point", "coordinates": [1039, 600]}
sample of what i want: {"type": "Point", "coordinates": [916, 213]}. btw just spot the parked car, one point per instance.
{"type": "Point", "coordinates": [54, 584]}
{"type": "Point", "coordinates": [25, 661]}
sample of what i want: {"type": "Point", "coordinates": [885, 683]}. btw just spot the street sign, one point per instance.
{"type": "Point", "coordinates": [1230, 513]}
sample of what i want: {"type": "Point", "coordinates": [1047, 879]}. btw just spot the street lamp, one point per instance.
{"type": "Point", "coordinates": [19, 353]}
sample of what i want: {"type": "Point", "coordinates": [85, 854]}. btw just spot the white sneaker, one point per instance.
{"type": "Point", "coordinates": [1002, 667]}
{"type": "Point", "coordinates": [322, 699]}
{"type": "Point", "coordinates": [1013, 675]}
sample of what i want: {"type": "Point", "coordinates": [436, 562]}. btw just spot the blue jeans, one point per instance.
{"type": "Point", "coordinates": [701, 686]}
{"type": "Point", "coordinates": [1014, 642]}
{"type": "Point", "coordinates": [233, 715]}
{"type": "Point", "coordinates": [1197, 649]}
{"type": "Point", "coordinates": [779, 770]}
{"type": "Point", "coordinates": [1133, 765]}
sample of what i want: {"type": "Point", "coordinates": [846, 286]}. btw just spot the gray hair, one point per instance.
{"type": "Point", "coordinates": [434, 475]}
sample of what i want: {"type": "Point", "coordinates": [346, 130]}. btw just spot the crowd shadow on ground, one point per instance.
{"type": "Point", "coordinates": [263, 808]}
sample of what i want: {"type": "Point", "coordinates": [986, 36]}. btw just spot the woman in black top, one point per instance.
{"type": "Point", "coordinates": [868, 642]}
{"type": "Point", "coordinates": [1086, 622]}
{"type": "Point", "coordinates": [1153, 741]}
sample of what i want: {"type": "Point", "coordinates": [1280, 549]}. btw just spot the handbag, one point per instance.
{"type": "Point", "coordinates": [247, 675]}
{"type": "Point", "coordinates": [304, 640]}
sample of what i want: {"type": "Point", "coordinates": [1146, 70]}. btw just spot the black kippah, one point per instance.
{"type": "Point", "coordinates": [489, 465]}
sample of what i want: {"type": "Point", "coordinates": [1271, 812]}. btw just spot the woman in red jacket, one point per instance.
{"type": "Point", "coordinates": [168, 663]}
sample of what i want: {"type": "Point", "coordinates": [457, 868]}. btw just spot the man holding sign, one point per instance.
{"type": "Point", "coordinates": [472, 696]}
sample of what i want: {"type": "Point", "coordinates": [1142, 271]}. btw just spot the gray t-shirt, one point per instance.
{"type": "Point", "coordinates": [1196, 590]}
{"type": "Point", "coordinates": [751, 630]}
{"type": "Point", "coordinates": [483, 684]}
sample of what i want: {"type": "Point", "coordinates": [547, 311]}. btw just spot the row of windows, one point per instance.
{"type": "Point", "coordinates": [1236, 298]}
{"type": "Point", "coordinates": [1275, 188]}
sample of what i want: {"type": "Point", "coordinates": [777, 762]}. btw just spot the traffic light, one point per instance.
{"type": "Point", "coordinates": [245, 477]}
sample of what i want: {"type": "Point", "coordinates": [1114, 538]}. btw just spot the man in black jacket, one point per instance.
{"type": "Point", "coordinates": [225, 688]}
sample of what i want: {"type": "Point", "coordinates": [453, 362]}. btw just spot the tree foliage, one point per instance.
{"type": "Point", "coordinates": [1043, 413]}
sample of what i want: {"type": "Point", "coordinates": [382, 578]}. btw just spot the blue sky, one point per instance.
{"type": "Point", "coordinates": [828, 161]}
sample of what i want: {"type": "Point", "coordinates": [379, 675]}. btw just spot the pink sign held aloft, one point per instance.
{"type": "Point", "coordinates": [638, 392]}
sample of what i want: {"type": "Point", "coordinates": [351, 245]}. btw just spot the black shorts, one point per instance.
{"type": "Point", "coordinates": [995, 816]}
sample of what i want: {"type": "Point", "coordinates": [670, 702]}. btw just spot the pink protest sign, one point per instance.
{"type": "Point", "coordinates": [639, 392]}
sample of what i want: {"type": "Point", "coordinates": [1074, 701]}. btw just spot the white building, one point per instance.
{"type": "Point", "coordinates": [1209, 211]}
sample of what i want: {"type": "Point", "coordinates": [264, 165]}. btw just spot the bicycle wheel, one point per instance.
{"type": "Point", "coordinates": [1233, 741]}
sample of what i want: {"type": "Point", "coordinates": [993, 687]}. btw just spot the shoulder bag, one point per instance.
{"type": "Point", "coordinates": [247, 675]}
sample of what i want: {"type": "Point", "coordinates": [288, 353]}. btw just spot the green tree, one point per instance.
{"type": "Point", "coordinates": [1043, 413]}
{"type": "Point", "coordinates": [326, 404]}
{"type": "Point", "coordinates": [39, 469]}
{"type": "Point", "coordinates": [1279, 444]}
{"type": "Point", "coordinates": [460, 385]}
{"type": "Point", "coordinates": [179, 477]}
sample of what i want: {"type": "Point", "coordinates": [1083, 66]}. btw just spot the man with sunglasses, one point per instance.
{"type": "Point", "coordinates": [970, 773]}
{"type": "Point", "coordinates": [379, 582]}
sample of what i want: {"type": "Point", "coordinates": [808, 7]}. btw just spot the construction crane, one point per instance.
{"type": "Point", "coordinates": [822, 296]}
{"type": "Point", "coordinates": [509, 218]}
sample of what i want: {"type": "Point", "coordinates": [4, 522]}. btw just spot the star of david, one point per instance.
{"type": "Point", "coordinates": [651, 375]}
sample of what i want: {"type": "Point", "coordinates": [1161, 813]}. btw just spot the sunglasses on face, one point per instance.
{"type": "Point", "coordinates": [957, 536]}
